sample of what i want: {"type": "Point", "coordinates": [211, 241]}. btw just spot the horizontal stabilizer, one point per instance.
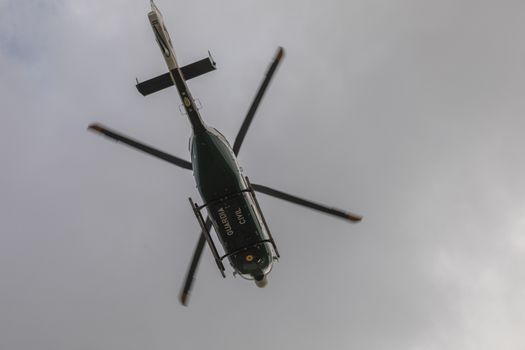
{"type": "Point", "coordinates": [156, 84]}
{"type": "Point", "coordinates": [189, 71]}
{"type": "Point", "coordinates": [198, 68]}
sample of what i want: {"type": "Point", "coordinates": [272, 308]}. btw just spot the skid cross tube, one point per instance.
{"type": "Point", "coordinates": [224, 198]}
{"type": "Point", "coordinates": [206, 234]}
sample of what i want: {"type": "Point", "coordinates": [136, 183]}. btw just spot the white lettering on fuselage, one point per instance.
{"type": "Point", "coordinates": [240, 217]}
{"type": "Point", "coordinates": [225, 222]}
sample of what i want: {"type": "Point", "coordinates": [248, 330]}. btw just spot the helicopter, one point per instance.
{"type": "Point", "coordinates": [227, 194]}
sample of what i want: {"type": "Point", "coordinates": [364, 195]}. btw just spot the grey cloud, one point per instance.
{"type": "Point", "coordinates": [408, 112]}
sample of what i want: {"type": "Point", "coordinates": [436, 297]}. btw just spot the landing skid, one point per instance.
{"type": "Point", "coordinates": [206, 233]}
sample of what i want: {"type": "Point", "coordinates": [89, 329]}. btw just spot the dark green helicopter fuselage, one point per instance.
{"type": "Point", "coordinates": [231, 205]}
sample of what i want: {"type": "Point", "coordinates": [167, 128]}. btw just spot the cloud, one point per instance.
{"type": "Point", "coordinates": [406, 112]}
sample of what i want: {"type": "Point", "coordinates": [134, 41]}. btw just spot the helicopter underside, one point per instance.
{"type": "Point", "coordinates": [232, 207]}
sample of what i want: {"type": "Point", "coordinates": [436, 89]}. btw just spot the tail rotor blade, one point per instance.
{"type": "Point", "coordinates": [306, 203]}
{"type": "Point", "coordinates": [258, 97]}
{"type": "Point", "coordinates": [190, 275]}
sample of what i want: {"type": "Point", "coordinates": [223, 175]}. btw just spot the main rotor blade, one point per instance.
{"type": "Point", "coordinates": [287, 197]}
{"type": "Point", "coordinates": [260, 93]}
{"type": "Point", "coordinates": [140, 146]}
{"type": "Point", "coordinates": [185, 292]}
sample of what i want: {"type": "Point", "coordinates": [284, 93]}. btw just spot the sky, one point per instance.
{"type": "Point", "coordinates": [409, 112]}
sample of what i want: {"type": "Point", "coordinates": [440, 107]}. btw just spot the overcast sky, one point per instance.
{"type": "Point", "coordinates": [409, 112]}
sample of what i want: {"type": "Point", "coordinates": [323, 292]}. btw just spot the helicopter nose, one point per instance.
{"type": "Point", "coordinates": [261, 282]}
